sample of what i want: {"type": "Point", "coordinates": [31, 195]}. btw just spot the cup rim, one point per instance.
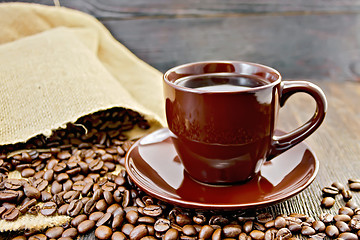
{"type": "Point", "coordinates": [269, 69]}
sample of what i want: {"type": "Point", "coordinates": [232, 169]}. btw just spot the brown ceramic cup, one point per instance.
{"type": "Point", "coordinates": [222, 116]}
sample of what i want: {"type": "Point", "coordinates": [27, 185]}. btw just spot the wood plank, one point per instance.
{"type": "Point", "coordinates": [302, 40]}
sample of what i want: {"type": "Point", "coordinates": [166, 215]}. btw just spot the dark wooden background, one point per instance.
{"type": "Point", "coordinates": [316, 40]}
{"type": "Point", "coordinates": [303, 39]}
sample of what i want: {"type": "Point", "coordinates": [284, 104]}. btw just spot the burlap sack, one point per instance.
{"type": "Point", "coordinates": [57, 65]}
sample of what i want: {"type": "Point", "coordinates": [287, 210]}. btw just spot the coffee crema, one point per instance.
{"type": "Point", "coordinates": [221, 82]}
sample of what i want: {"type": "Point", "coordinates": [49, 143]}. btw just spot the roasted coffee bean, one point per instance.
{"type": "Point", "coordinates": [153, 210]}
{"type": "Point", "coordinates": [32, 192]}
{"type": "Point", "coordinates": [355, 186]}
{"type": "Point", "coordinates": [218, 220]}
{"type": "Point", "coordinates": [280, 222]}
{"type": "Point", "coordinates": [70, 232]}
{"type": "Point", "coordinates": [283, 233]}
{"type": "Point", "coordinates": [13, 184]}
{"type": "Point", "coordinates": [95, 216]}
{"type": "Point", "coordinates": [56, 187]}
{"type": "Point", "coordinates": [318, 236]}
{"type": "Point", "coordinates": [89, 206]}
{"type": "Point", "coordinates": [85, 200]}
{"type": "Point", "coordinates": [97, 194]}
{"type": "Point", "coordinates": [59, 167]}
{"type": "Point", "coordinates": [348, 236]}
{"type": "Point", "coordinates": [108, 197]}
{"type": "Point", "coordinates": [264, 217]}
{"type": "Point", "coordinates": [327, 202]}
{"type": "Point", "coordinates": [270, 224]}
{"type": "Point", "coordinates": [346, 194]}
{"type": "Point", "coordinates": [85, 226]}
{"type": "Point", "coordinates": [75, 207]}
{"type": "Point", "coordinates": [353, 180]}
{"type": "Point", "coordinates": [34, 210]}
{"type": "Point", "coordinates": [319, 226]}
{"type": "Point", "coordinates": [51, 164]}
{"type": "Point", "coordinates": [127, 228]}
{"type": "Point", "coordinates": [342, 226]}
{"type": "Point", "coordinates": [125, 198]}
{"type": "Point", "coordinates": [27, 172]}
{"type": "Point", "coordinates": [351, 204]}
{"type": "Point", "coordinates": [257, 235]}
{"type": "Point", "coordinates": [2, 210]}
{"type": "Point", "coordinates": [326, 217]}
{"type": "Point", "coordinates": [8, 195]}
{"type": "Point", "coordinates": [132, 216]}
{"type": "Point", "coordinates": [39, 236]}
{"type": "Point", "coordinates": [189, 230]}
{"type": "Point", "coordinates": [248, 226]}
{"type": "Point", "coordinates": [78, 185]}
{"type": "Point", "coordinates": [294, 227]}
{"type": "Point", "coordinates": [300, 216]}
{"type": "Point", "coordinates": [354, 223]}
{"type": "Point", "coordinates": [78, 219]}
{"type": "Point", "coordinates": [217, 234]}
{"type": "Point", "coordinates": [58, 198]}
{"type": "Point", "coordinates": [103, 232]}
{"type": "Point", "coordinates": [138, 232]}
{"type": "Point", "coordinates": [104, 220]}
{"type": "Point", "coordinates": [101, 205]}
{"type": "Point", "coordinates": [88, 186]}
{"type": "Point", "coordinates": [73, 171]}
{"type": "Point", "coordinates": [270, 234]}
{"type": "Point", "coordinates": [62, 210]}
{"type": "Point", "coordinates": [205, 232]}
{"type": "Point", "coordinates": [307, 230]}
{"type": "Point", "coordinates": [232, 230]}
{"type": "Point", "coordinates": [62, 177]}
{"type": "Point", "coordinates": [162, 225]}
{"type": "Point", "coordinates": [77, 178]}
{"type": "Point", "coordinates": [118, 236]}
{"type": "Point", "coordinates": [346, 211]}
{"type": "Point", "coordinates": [11, 214]}
{"type": "Point", "coordinates": [171, 234]}
{"type": "Point", "coordinates": [8, 205]}
{"type": "Point", "coordinates": [332, 231]}
{"type": "Point", "coordinates": [109, 186]}
{"type": "Point", "coordinates": [342, 217]}
{"type": "Point", "coordinates": [198, 219]}
{"type": "Point", "coordinates": [338, 185]}
{"type": "Point", "coordinates": [48, 209]}
{"type": "Point", "coordinates": [119, 180]}
{"type": "Point", "coordinates": [40, 184]}
{"type": "Point", "coordinates": [117, 221]}
{"type": "Point", "coordinates": [330, 191]}
{"type": "Point", "coordinates": [96, 165]}
{"type": "Point", "coordinates": [70, 196]}
{"type": "Point", "coordinates": [25, 207]}
{"type": "Point", "coordinates": [259, 226]}
{"type": "Point", "coordinates": [112, 208]}
{"type": "Point", "coordinates": [54, 232]}
{"type": "Point", "coordinates": [48, 175]}
{"type": "Point", "coordinates": [67, 186]}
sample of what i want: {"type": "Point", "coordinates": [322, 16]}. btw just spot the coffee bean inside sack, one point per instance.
{"type": "Point", "coordinates": [78, 173]}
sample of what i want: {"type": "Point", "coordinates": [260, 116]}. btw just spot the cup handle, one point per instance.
{"type": "Point", "coordinates": [288, 140]}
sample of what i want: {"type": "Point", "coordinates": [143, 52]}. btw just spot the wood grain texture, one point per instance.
{"type": "Point", "coordinates": [304, 40]}
{"type": "Point", "coordinates": [316, 40]}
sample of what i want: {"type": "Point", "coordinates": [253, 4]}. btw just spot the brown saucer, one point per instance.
{"type": "Point", "coordinates": [152, 163]}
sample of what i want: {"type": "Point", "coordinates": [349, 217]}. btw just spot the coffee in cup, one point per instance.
{"type": "Point", "coordinates": [222, 117]}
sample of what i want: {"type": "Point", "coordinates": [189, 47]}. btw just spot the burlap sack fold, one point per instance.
{"type": "Point", "coordinates": [58, 64]}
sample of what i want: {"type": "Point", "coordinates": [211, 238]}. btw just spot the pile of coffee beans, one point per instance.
{"type": "Point", "coordinates": [336, 188]}
{"type": "Point", "coordinates": [77, 172]}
